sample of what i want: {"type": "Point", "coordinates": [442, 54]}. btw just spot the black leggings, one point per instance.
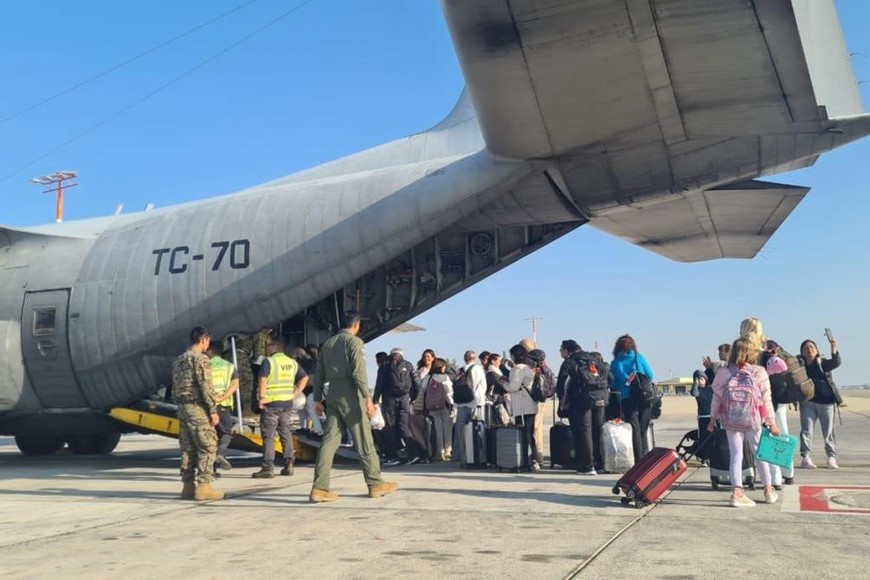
{"type": "Point", "coordinates": [638, 417]}
{"type": "Point", "coordinates": [528, 424]}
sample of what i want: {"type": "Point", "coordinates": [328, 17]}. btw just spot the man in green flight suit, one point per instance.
{"type": "Point", "coordinates": [348, 404]}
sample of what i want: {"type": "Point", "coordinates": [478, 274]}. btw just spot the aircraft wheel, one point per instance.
{"type": "Point", "coordinates": [101, 444]}
{"type": "Point", "coordinates": [38, 445]}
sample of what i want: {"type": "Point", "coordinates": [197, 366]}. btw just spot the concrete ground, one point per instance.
{"type": "Point", "coordinates": [120, 516]}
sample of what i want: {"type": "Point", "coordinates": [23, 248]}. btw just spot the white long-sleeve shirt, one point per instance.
{"type": "Point", "coordinates": [477, 381]}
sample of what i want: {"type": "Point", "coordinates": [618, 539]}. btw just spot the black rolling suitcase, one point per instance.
{"type": "Point", "coordinates": [561, 444]}
{"type": "Point", "coordinates": [490, 445]}
{"type": "Point", "coordinates": [473, 445]}
{"type": "Point", "coordinates": [720, 461]}
{"type": "Point", "coordinates": [422, 429]}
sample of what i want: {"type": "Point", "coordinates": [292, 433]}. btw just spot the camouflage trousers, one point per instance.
{"type": "Point", "coordinates": [246, 385]}
{"type": "Point", "coordinates": [198, 441]}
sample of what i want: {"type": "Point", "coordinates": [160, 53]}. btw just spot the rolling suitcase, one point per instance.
{"type": "Point", "coordinates": [473, 445]}
{"type": "Point", "coordinates": [422, 429]}
{"type": "Point", "coordinates": [561, 444]}
{"type": "Point", "coordinates": [512, 449]}
{"type": "Point", "coordinates": [720, 461]}
{"type": "Point", "coordinates": [650, 478]}
{"type": "Point", "coordinates": [490, 445]}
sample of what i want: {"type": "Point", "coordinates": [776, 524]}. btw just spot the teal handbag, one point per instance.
{"type": "Point", "coordinates": [777, 450]}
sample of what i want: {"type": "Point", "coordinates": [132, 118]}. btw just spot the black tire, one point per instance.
{"type": "Point", "coordinates": [36, 445]}
{"type": "Point", "coordinates": [624, 501]}
{"type": "Point", "coordinates": [615, 490]}
{"type": "Point", "coordinates": [640, 504]}
{"type": "Point", "coordinates": [101, 444]}
{"type": "Point", "coordinates": [750, 483]}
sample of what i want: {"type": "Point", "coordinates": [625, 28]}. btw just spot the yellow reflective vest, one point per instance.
{"type": "Point", "coordinates": [221, 379]}
{"type": "Point", "coordinates": [281, 384]}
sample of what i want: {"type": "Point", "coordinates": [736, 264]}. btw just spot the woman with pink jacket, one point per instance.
{"type": "Point", "coordinates": [741, 400]}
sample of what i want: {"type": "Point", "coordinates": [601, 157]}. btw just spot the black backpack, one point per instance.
{"type": "Point", "coordinates": [642, 388]}
{"type": "Point", "coordinates": [591, 379]}
{"type": "Point", "coordinates": [462, 391]}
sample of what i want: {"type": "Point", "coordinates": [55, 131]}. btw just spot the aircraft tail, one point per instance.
{"type": "Point", "coordinates": [456, 135]}
{"type": "Point", "coordinates": [827, 58]}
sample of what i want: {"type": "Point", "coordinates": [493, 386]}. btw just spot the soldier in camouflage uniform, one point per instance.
{"type": "Point", "coordinates": [244, 349]}
{"type": "Point", "coordinates": [197, 417]}
{"type": "Point", "coordinates": [261, 343]}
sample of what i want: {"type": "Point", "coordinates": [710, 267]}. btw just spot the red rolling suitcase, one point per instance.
{"type": "Point", "coordinates": [651, 477]}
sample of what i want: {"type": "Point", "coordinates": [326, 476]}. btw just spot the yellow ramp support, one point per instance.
{"type": "Point", "coordinates": [160, 418]}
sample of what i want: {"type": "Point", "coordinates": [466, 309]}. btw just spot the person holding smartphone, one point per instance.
{"type": "Point", "coordinates": [821, 407]}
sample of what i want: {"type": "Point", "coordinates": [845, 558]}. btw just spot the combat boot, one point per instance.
{"type": "Point", "coordinates": [383, 488]}
{"type": "Point", "coordinates": [188, 490]}
{"type": "Point", "coordinates": [288, 468]}
{"type": "Point", "coordinates": [263, 474]}
{"type": "Point", "coordinates": [322, 495]}
{"type": "Point", "coordinates": [205, 492]}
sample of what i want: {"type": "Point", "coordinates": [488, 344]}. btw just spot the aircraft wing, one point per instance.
{"type": "Point", "coordinates": [733, 221]}
{"type": "Point", "coordinates": [550, 76]}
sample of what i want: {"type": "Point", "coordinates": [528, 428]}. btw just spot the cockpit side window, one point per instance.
{"type": "Point", "coordinates": [43, 321]}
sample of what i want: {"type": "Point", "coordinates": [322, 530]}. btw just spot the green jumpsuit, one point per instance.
{"type": "Point", "coordinates": [342, 366]}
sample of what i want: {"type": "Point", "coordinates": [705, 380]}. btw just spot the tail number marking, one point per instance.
{"type": "Point", "coordinates": [235, 254]}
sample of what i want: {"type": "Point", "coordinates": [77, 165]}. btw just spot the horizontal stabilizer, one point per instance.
{"type": "Point", "coordinates": [733, 221]}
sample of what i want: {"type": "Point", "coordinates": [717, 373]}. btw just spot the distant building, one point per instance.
{"type": "Point", "coordinates": [676, 386]}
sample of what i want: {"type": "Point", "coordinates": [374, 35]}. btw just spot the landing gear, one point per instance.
{"type": "Point", "coordinates": [38, 445]}
{"type": "Point", "coordinates": [101, 444]}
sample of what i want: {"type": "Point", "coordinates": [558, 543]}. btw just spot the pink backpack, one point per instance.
{"type": "Point", "coordinates": [776, 365]}
{"type": "Point", "coordinates": [435, 396]}
{"type": "Point", "coordinates": [742, 402]}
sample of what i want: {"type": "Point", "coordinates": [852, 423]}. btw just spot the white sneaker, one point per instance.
{"type": "Point", "coordinates": [770, 496]}
{"type": "Point", "coordinates": [741, 501]}
{"type": "Point", "coordinates": [807, 463]}
{"type": "Point", "coordinates": [832, 463]}
{"type": "Point", "coordinates": [536, 466]}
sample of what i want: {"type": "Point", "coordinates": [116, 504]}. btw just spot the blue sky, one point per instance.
{"type": "Point", "coordinates": [338, 76]}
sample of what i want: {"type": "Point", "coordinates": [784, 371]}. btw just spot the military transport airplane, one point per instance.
{"type": "Point", "coordinates": [648, 119]}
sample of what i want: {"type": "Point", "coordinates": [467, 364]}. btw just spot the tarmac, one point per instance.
{"type": "Point", "coordinates": [120, 515]}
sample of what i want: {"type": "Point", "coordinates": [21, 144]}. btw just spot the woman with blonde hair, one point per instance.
{"type": "Point", "coordinates": [752, 330]}
{"type": "Point", "coordinates": [741, 398]}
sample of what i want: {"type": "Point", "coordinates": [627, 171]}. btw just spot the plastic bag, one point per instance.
{"type": "Point", "coordinates": [299, 401]}
{"type": "Point", "coordinates": [377, 421]}
{"type": "Point", "coordinates": [616, 447]}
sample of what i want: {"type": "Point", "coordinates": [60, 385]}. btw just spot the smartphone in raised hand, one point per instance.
{"type": "Point", "coordinates": [829, 335]}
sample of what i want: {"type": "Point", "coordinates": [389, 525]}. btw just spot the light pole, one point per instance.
{"type": "Point", "coordinates": [534, 320]}
{"type": "Point", "coordinates": [56, 179]}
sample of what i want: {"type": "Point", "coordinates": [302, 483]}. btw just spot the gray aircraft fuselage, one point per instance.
{"type": "Point", "coordinates": [94, 311]}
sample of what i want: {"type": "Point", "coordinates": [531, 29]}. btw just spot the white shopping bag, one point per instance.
{"type": "Point", "coordinates": [616, 447]}
{"type": "Point", "coordinates": [378, 422]}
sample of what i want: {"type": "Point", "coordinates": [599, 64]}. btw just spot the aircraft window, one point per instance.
{"type": "Point", "coordinates": [43, 321]}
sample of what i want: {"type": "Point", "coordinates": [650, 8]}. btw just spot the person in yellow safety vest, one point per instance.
{"type": "Point", "coordinates": [280, 380]}
{"type": "Point", "coordinates": [225, 382]}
